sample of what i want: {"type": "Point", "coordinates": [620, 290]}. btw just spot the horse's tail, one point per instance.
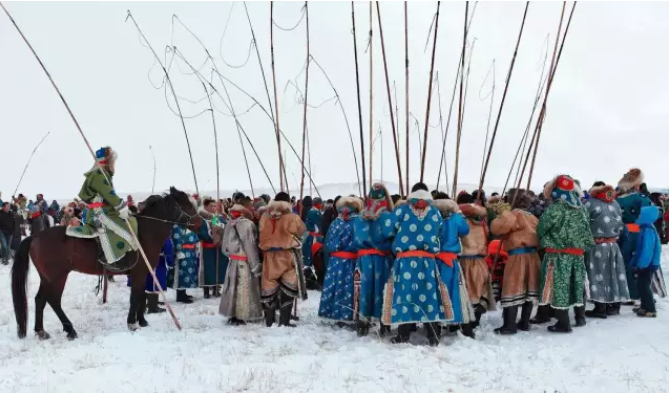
{"type": "Point", "coordinates": [19, 283]}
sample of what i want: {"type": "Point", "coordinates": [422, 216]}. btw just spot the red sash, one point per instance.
{"type": "Point", "coordinates": [415, 253]}
{"type": "Point", "coordinates": [570, 251]}
{"type": "Point", "coordinates": [208, 245]}
{"type": "Point", "coordinates": [188, 246]}
{"type": "Point", "coordinates": [238, 257]}
{"type": "Point", "coordinates": [344, 255]}
{"type": "Point", "coordinates": [447, 257]}
{"type": "Point", "coordinates": [95, 205]}
{"type": "Point", "coordinates": [633, 228]}
{"type": "Point", "coordinates": [371, 251]}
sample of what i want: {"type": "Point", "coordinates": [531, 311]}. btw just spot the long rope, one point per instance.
{"type": "Point", "coordinates": [88, 145]}
{"type": "Point", "coordinates": [429, 91]}
{"type": "Point", "coordinates": [390, 102]}
{"type": "Point", "coordinates": [28, 163]}
{"type": "Point", "coordinates": [306, 96]}
{"type": "Point", "coordinates": [169, 82]}
{"type": "Point", "coordinates": [357, 83]}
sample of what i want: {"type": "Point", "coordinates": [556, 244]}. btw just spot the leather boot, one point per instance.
{"type": "Point", "coordinates": [509, 314]}
{"type": "Point", "coordinates": [562, 325]}
{"type": "Point", "coordinates": [182, 297]}
{"type": "Point", "coordinates": [362, 328]}
{"type": "Point", "coordinates": [612, 309]}
{"type": "Point", "coordinates": [270, 315]}
{"type": "Point", "coordinates": [152, 304]}
{"type": "Point", "coordinates": [599, 311]}
{"type": "Point", "coordinates": [525, 315]}
{"type": "Point", "coordinates": [478, 312]}
{"type": "Point", "coordinates": [206, 292]}
{"type": "Point", "coordinates": [403, 334]}
{"type": "Point", "coordinates": [468, 330]}
{"type": "Point", "coordinates": [579, 315]}
{"type": "Point", "coordinates": [384, 330]}
{"type": "Point", "coordinates": [284, 313]}
{"type": "Point", "coordinates": [433, 333]}
{"type": "Point", "coordinates": [542, 316]}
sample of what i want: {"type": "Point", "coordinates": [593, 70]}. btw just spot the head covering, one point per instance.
{"type": "Point", "coordinates": [105, 157]}
{"type": "Point", "coordinates": [522, 198]}
{"type": "Point", "coordinates": [348, 206]}
{"type": "Point", "coordinates": [564, 188]}
{"type": "Point", "coordinates": [603, 192]}
{"type": "Point", "coordinates": [378, 201]}
{"type": "Point", "coordinates": [464, 197]}
{"type": "Point", "coordinates": [282, 197]}
{"type": "Point", "coordinates": [632, 179]}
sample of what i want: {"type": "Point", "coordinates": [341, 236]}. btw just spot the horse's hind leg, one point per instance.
{"type": "Point", "coordinates": [137, 304]}
{"type": "Point", "coordinates": [40, 303]}
{"type": "Point", "coordinates": [54, 301]}
{"type": "Point", "coordinates": [141, 309]}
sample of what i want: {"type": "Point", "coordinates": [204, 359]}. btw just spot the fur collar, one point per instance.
{"type": "Point", "coordinates": [420, 194]}
{"type": "Point", "coordinates": [280, 207]}
{"type": "Point", "coordinates": [600, 189]}
{"type": "Point", "coordinates": [244, 211]}
{"type": "Point", "coordinates": [351, 202]}
{"type": "Point", "coordinates": [632, 179]}
{"type": "Point", "coordinates": [604, 193]}
{"type": "Point", "coordinates": [446, 207]}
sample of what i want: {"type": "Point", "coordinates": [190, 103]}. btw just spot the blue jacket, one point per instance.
{"type": "Point", "coordinates": [648, 247]}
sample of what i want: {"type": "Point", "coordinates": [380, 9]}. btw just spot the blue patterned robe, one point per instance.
{"type": "Point", "coordinates": [209, 277]}
{"type": "Point", "coordinates": [631, 205]}
{"type": "Point", "coordinates": [166, 259]}
{"type": "Point", "coordinates": [373, 269]}
{"type": "Point", "coordinates": [337, 297]}
{"type": "Point", "coordinates": [452, 229]}
{"type": "Point", "coordinates": [185, 272]}
{"type": "Point", "coordinates": [414, 292]}
{"type": "Point", "coordinates": [313, 224]}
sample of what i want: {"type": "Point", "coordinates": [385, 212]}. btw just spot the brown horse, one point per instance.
{"type": "Point", "coordinates": [55, 255]}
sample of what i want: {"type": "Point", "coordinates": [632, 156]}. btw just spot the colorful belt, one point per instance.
{"type": "Point", "coordinates": [603, 240]}
{"type": "Point", "coordinates": [208, 245]}
{"type": "Point", "coordinates": [238, 257]}
{"type": "Point", "coordinates": [415, 254]}
{"type": "Point", "coordinates": [344, 255]}
{"type": "Point", "coordinates": [522, 250]}
{"type": "Point", "coordinates": [633, 228]}
{"type": "Point", "coordinates": [188, 246]}
{"type": "Point", "coordinates": [447, 257]}
{"type": "Point", "coordinates": [95, 205]}
{"type": "Point", "coordinates": [570, 251]}
{"type": "Point", "coordinates": [372, 251]}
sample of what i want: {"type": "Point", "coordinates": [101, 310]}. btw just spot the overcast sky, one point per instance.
{"type": "Point", "coordinates": [606, 112]}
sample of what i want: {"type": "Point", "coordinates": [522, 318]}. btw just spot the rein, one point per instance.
{"type": "Point", "coordinates": [178, 222]}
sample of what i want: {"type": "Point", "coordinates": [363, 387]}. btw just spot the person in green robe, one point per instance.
{"type": "Point", "coordinates": [564, 234]}
{"type": "Point", "coordinates": [107, 214]}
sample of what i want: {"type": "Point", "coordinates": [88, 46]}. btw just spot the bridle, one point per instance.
{"type": "Point", "coordinates": [181, 212]}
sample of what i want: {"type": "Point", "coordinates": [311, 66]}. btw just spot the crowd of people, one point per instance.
{"type": "Point", "coordinates": [402, 262]}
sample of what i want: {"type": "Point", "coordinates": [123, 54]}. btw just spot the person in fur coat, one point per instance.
{"type": "Point", "coordinates": [282, 276]}
{"type": "Point", "coordinates": [472, 258]}
{"type": "Point", "coordinates": [415, 292]}
{"type": "Point", "coordinates": [337, 298]}
{"type": "Point", "coordinates": [240, 296]}
{"type": "Point", "coordinates": [564, 233]}
{"type": "Point", "coordinates": [453, 227]}
{"type": "Point", "coordinates": [604, 264]}
{"type": "Point", "coordinates": [517, 230]}
{"type": "Point", "coordinates": [374, 259]}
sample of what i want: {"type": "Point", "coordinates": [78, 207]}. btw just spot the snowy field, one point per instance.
{"type": "Point", "coordinates": [621, 354]}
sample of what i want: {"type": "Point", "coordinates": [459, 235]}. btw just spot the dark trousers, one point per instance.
{"type": "Point", "coordinates": [643, 280]}
{"type": "Point", "coordinates": [5, 245]}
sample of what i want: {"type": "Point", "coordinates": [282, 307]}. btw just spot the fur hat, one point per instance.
{"type": "Point", "coordinates": [242, 210]}
{"type": "Point", "coordinates": [446, 207]}
{"type": "Point", "coordinates": [105, 157]}
{"type": "Point", "coordinates": [470, 210]}
{"type": "Point", "coordinates": [351, 202]}
{"type": "Point", "coordinates": [606, 193]}
{"type": "Point", "coordinates": [282, 207]}
{"type": "Point", "coordinates": [633, 178]}
{"type": "Point", "coordinates": [563, 187]}
{"type": "Point", "coordinates": [522, 199]}
{"type": "Point", "coordinates": [379, 193]}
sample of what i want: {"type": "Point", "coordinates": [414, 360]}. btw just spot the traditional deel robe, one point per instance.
{"type": "Point", "coordinates": [313, 224]}
{"type": "Point", "coordinates": [472, 258]}
{"type": "Point", "coordinates": [186, 267]}
{"type": "Point", "coordinates": [518, 232]}
{"type": "Point", "coordinates": [564, 233]}
{"type": "Point", "coordinates": [337, 296]}
{"type": "Point", "coordinates": [166, 259]}
{"type": "Point", "coordinates": [415, 292]}
{"type": "Point", "coordinates": [453, 227]}
{"type": "Point", "coordinates": [375, 256]}
{"type": "Point", "coordinates": [282, 272]}
{"type": "Point", "coordinates": [604, 264]}
{"type": "Point", "coordinates": [102, 219]}
{"type": "Point", "coordinates": [240, 295]}
{"type": "Point", "coordinates": [631, 205]}
{"type": "Point", "coordinates": [213, 263]}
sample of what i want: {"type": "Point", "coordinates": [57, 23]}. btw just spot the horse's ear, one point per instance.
{"type": "Point", "coordinates": [173, 191]}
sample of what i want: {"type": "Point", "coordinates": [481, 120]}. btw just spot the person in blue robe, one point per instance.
{"type": "Point", "coordinates": [184, 275]}
{"type": "Point", "coordinates": [374, 259]}
{"type": "Point", "coordinates": [311, 216]}
{"type": "Point", "coordinates": [337, 298]}
{"type": "Point", "coordinates": [415, 292]}
{"type": "Point", "coordinates": [214, 263]}
{"type": "Point", "coordinates": [152, 291]}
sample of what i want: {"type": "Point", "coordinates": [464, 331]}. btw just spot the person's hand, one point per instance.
{"type": "Point", "coordinates": [124, 213]}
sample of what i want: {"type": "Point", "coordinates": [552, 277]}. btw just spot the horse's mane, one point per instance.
{"type": "Point", "coordinates": [165, 201]}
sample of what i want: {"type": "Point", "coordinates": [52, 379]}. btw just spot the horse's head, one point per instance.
{"type": "Point", "coordinates": [188, 209]}
{"type": "Point", "coordinates": [174, 207]}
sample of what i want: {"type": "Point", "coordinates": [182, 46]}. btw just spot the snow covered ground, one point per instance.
{"type": "Point", "coordinates": [621, 354]}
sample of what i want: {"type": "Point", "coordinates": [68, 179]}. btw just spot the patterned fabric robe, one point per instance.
{"type": "Point", "coordinates": [166, 259]}
{"type": "Point", "coordinates": [313, 224]}
{"type": "Point", "coordinates": [452, 229]}
{"type": "Point", "coordinates": [604, 264]}
{"type": "Point", "coordinates": [630, 205]}
{"type": "Point", "coordinates": [472, 259]}
{"type": "Point", "coordinates": [563, 275]}
{"type": "Point", "coordinates": [213, 267]}
{"type": "Point", "coordinates": [337, 297]}
{"type": "Point", "coordinates": [184, 275]}
{"type": "Point", "coordinates": [372, 268]}
{"type": "Point", "coordinates": [415, 292]}
{"type": "Point", "coordinates": [240, 295]}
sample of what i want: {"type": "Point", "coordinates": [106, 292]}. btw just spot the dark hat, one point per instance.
{"type": "Point", "coordinates": [282, 197]}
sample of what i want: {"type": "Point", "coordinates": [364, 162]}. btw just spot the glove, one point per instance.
{"type": "Point", "coordinates": [124, 213]}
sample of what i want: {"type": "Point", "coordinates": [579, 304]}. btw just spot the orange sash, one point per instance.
{"type": "Point", "coordinates": [415, 254]}
{"type": "Point", "coordinates": [371, 251]}
{"type": "Point", "coordinates": [447, 257]}
{"type": "Point", "coordinates": [344, 255]}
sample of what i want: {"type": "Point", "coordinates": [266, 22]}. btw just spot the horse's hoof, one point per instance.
{"type": "Point", "coordinates": [43, 335]}
{"type": "Point", "coordinates": [133, 327]}
{"type": "Point", "coordinates": [143, 323]}
{"type": "Point", "coordinates": [71, 336]}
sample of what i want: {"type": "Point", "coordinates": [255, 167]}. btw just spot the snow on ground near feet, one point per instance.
{"type": "Point", "coordinates": [621, 354]}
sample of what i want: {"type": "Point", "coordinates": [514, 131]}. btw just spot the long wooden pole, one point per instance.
{"type": "Point", "coordinates": [305, 98]}
{"type": "Point", "coordinates": [501, 105]}
{"type": "Point", "coordinates": [357, 83]}
{"type": "Point", "coordinates": [429, 91]}
{"type": "Point", "coordinates": [371, 95]}
{"type": "Point", "coordinates": [462, 68]}
{"type": "Point", "coordinates": [282, 164]}
{"type": "Point", "coordinates": [390, 101]}
{"type": "Point", "coordinates": [28, 163]}
{"type": "Point", "coordinates": [88, 145]}
{"type": "Point", "coordinates": [213, 121]}
{"type": "Point", "coordinates": [406, 90]}
{"type": "Point", "coordinates": [153, 183]}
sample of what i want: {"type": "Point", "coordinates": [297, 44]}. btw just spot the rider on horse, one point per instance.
{"type": "Point", "coordinates": [106, 214]}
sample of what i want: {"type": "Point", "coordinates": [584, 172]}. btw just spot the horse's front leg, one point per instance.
{"type": "Point", "coordinates": [141, 309]}
{"type": "Point", "coordinates": [136, 296]}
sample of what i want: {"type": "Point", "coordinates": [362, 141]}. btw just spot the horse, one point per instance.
{"type": "Point", "coordinates": [55, 255]}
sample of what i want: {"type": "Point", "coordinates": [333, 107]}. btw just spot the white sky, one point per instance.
{"type": "Point", "coordinates": [606, 111]}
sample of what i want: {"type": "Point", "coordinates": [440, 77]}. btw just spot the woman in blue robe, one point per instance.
{"type": "Point", "coordinates": [166, 259]}
{"type": "Point", "coordinates": [185, 273]}
{"type": "Point", "coordinates": [374, 259]}
{"type": "Point", "coordinates": [453, 228]}
{"type": "Point", "coordinates": [414, 292]}
{"type": "Point", "coordinates": [337, 297]}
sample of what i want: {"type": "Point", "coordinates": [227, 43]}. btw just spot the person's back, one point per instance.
{"type": "Point", "coordinates": [646, 259]}
{"type": "Point", "coordinates": [279, 226]}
